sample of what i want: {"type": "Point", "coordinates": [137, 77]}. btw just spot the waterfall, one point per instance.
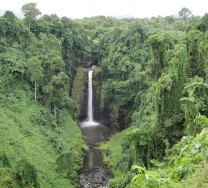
{"type": "Point", "coordinates": [89, 121]}
{"type": "Point", "coordinates": [90, 97]}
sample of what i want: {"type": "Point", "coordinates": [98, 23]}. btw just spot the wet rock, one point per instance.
{"type": "Point", "coordinates": [107, 152]}
{"type": "Point", "coordinates": [95, 178]}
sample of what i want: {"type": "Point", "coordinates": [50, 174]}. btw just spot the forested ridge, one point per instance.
{"type": "Point", "coordinates": [41, 144]}
{"type": "Point", "coordinates": [152, 77]}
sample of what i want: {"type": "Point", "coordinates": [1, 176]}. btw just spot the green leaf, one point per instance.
{"type": "Point", "coordinates": [140, 178]}
{"type": "Point", "coordinates": [150, 174]}
{"type": "Point", "coordinates": [138, 167]}
{"type": "Point", "coordinates": [135, 177]}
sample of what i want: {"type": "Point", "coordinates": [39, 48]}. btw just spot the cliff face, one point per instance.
{"type": "Point", "coordinates": [101, 115]}
{"type": "Point", "coordinates": [80, 95]}
{"type": "Point", "coordinates": [101, 112]}
{"type": "Point", "coordinates": [79, 91]}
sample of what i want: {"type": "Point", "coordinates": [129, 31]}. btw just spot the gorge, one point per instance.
{"type": "Point", "coordinates": [150, 82]}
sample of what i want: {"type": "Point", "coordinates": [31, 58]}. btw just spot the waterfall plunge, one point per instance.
{"type": "Point", "coordinates": [90, 97]}
{"type": "Point", "coordinates": [90, 121]}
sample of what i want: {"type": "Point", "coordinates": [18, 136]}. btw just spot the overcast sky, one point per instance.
{"type": "Point", "coordinates": [87, 8]}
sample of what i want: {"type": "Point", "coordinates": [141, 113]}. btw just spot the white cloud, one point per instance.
{"type": "Point", "coordinates": [86, 8]}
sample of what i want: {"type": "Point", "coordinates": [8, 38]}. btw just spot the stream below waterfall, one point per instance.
{"type": "Point", "coordinates": [95, 173]}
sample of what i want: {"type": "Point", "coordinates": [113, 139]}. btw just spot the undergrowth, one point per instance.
{"type": "Point", "coordinates": [36, 150]}
{"type": "Point", "coordinates": [185, 165]}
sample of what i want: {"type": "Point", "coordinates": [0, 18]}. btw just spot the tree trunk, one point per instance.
{"type": "Point", "coordinates": [35, 90]}
{"type": "Point", "coordinates": [54, 110]}
{"type": "Point", "coordinates": [29, 25]}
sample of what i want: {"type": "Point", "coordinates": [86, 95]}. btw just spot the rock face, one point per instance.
{"type": "Point", "coordinates": [101, 115]}
{"type": "Point", "coordinates": [80, 95]}
{"type": "Point", "coordinates": [83, 102]}
{"type": "Point", "coordinates": [79, 91]}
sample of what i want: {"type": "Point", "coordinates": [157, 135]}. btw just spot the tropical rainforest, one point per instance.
{"type": "Point", "coordinates": [152, 77]}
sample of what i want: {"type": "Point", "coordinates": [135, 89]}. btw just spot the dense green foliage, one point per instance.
{"type": "Point", "coordinates": [154, 80]}
{"type": "Point", "coordinates": [33, 144]}
{"type": "Point", "coordinates": [41, 144]}
{"type": "Point", "coordinates": [181, 162]}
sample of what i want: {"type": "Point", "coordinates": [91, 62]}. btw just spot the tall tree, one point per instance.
{"type": "Point", "coordinates": [184, 13]}
{"type": "Point", "coordinates": [56, 89]}
{"type": "Point", "coordinates": [35, 71]}
{"type": "Point", "coordinates": [30, 12]}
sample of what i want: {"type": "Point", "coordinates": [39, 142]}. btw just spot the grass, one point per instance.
{"type": "Point", "coordinates": [112, 151]}
{"type": "Point", "coordinates": [26, 133]}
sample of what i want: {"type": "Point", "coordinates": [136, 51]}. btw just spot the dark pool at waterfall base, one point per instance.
{"type": "Point", "coordinates": [94, 174]}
